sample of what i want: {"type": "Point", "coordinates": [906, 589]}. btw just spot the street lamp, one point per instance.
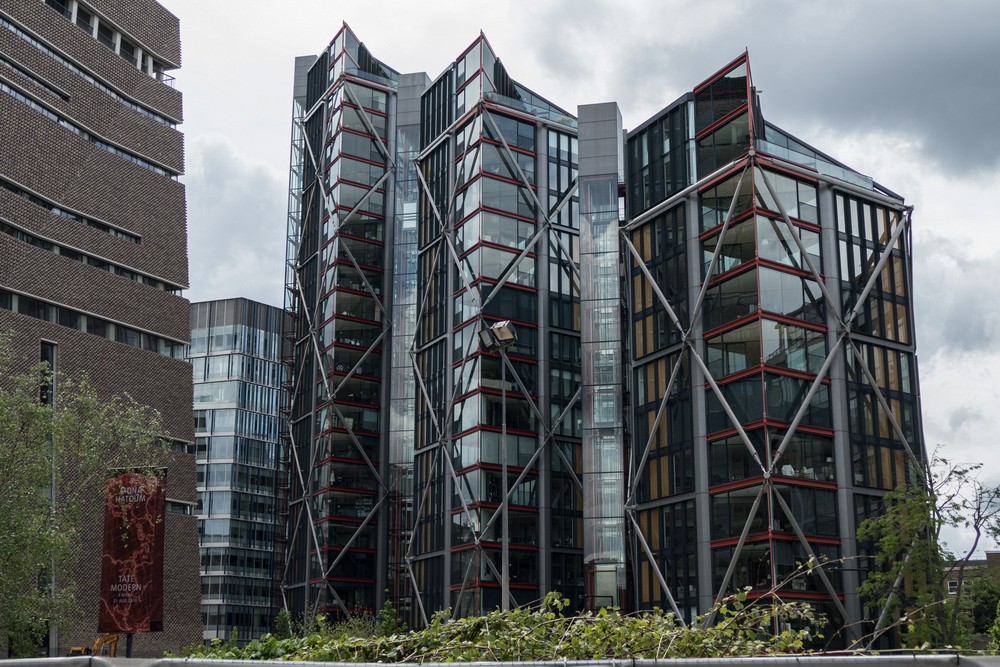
{"type": "Point", "coordinates": [498, 338]}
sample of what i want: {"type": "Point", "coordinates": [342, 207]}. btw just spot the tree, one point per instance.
{"type": "Point", "coordinates": [910, 554]}
{"type": "Point", "coordinates": [67, 446]}
{"type": "Point", "coordinates": [983, 596]}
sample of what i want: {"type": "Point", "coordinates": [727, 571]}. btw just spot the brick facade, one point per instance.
{"type": "Point", "coordinates": [61, 170]}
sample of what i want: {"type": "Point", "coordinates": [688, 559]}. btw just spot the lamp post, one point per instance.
{"type": "Point", "coordinates": [499, 337]}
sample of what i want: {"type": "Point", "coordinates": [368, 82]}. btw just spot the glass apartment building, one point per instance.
{"type": "Point", "coordinates": [772, 374]}
{"type": "Point", "coordinates": [498, 241]}
{"type": "Point", "coordinates": [237, 366]}
{"type": "Point", "coordinates": [713, 377]}
{"type": "Point", "coordinates": [341, 238]}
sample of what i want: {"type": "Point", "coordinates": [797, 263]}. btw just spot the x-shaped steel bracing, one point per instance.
{"type": "Point", "coordinates": [688, 346]}
{"type": "Point", "coordinates": [442, 424]}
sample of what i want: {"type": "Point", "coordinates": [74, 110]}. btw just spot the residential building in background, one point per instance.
{"type": "Point", "coordinates": [239, 397]}
{"type": "Point", "coordinates": [94, 245]}
{"type": "Point", "coordinates": [642, 369]}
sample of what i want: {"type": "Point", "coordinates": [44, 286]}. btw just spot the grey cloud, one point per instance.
{"type": "Point", "coordinates": [957, 297]}
{"type": "Point", "coordinates": [964, 416]}
{"type": "Point", "coordinates": [923, 69]}
{"type": "Point", "coordinates": [236, 225]}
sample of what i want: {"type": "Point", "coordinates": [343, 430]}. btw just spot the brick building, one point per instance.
{"type": "Point", "coordinates": [93, 242]}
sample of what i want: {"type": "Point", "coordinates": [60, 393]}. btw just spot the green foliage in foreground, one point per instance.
{"type": "Point", "coordinates": [740, 627]}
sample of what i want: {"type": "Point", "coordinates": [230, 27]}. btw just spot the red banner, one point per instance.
{"type": "Point", "coordinates": [132, 564]}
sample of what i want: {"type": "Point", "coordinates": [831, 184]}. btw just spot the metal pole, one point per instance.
{"type": "Point", "coordinates": [505, 535]}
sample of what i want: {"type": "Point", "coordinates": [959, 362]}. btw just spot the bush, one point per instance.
{"type": "Point", "coordinates": [741, 627]}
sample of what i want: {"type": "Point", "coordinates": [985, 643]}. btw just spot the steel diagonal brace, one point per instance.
{"type": "Point", "coordinates": [444, 237]}
{"type": "Point", "coordinates": [306, 491]}
{"type": "Point", "coordinates": [347, 249]}
{"type": "Point", "coordinates": [807, 400]}
{"type": "Point", "coordinates": [512, 266]}
{"type": "Point", "coordinates": [533, 459]}
{"type": "Point", "coordinates": [326, 385]}
{"type": "Point", "coordinates": [526, 185]}
{"type": "Point", "coordinates": [446, 431]}
{"type": "Point", "coordinates": [477, 551]}
{"type": "Point", "coordinates": [737, 551]}
{"type": "Point", "coordinates": [307, 500]}
{"type": "Point", "coordinates": [634, 486]}
{"type": "Point", "coordinates": [356, 533]}
{"type": "Point", "coordinates": [350, 254]}
{"type": "Point", "coordinates": [307, 503]}
{"type": "Point", "coordinates": [369, 126]}
{"type": "Point", "coordinates": [718, 249]}
{"type": "Point", "coordinates": [655, 567]}
{"type": "Point", "coordinates": [812, 555]}
{"type": "Point", "coordinates": [725, 406]}
{"type": "Point", "coordinates": [467, 513]}
{"type": "Point", "coordinates": [883, 403]}
{"type": "Point", "coordinates": [652, 281]}
{"type": "Point", "coordinates": [694, 353]}
{"type": "Point", "coordinates": [794, 233]}
{"type": "Point", "coordinates": [357, 365]}
{"type": "Point", "coordinates": [681, 195]}
{"type": "Point", "coordinates": [377, 341]}
{"type": "Point", "coordinates": [361, 202]}
{"type": "Point", "coordinates": [408, 557]}
{"type": "Point", "coordinates": [423, 501]}
{"type": "Point", "coordinates": [893, 592]}
{"type": "Point", "coordinates": [424, 297]}
{"type": "Point", "coordinates": [416, 591]}
{"type": "Point", "coordinates": [896, 233]}
{"type": "Point", "coordinates": [549, 430]}
{"type": "Point", "coordinates": [423, 390]}
{"type": "Point", "coordinates": [543, 228]}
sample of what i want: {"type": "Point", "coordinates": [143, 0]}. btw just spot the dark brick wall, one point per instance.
{"type": "Point", "coordinates": [92, 290]}
{"type": "Point", "coordinates": [91, 107]}
{"type": "Point", "coordinates": [60, 166]}
{"type": "Point", "coordinates": [100, 185]}
{"type": "Point", "coordinates": [55, 30]}
{"type": "Point", "coordinates": [148, 22]}
{"type": "Point", "coordinates": [113, 368]}
{"type": "Point", "coordinates": [152, 379]}
{"type": "Point", "coordinates": [181, 582]}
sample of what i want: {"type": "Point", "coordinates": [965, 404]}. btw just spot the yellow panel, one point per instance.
{"type": "Point", "coordinates": [899, 463]}
{"type": "Point", "coordinates": [665, 474]}
{"type": "Point", "coordinates": [878, 353]}
{"type": "Point", "coordinates": [645, 580]}
{"type": "Point", "coordinates": [884, 430]}
{"type": "Point", "coordinates": [886, 468]}
{"type": "Point", "coordinates": [902, 322]}
{"type": "Point", "coordinates": [892, 369]}
{"type": "Point", "coordinates": [661, 371]}
{"type": "Point", "coordinates": [872, 467]}
{"type": "Point", "coordinates": [868, 409]}
{"type": "Point", "coordinates": [886, 277]}
{"type": "Point", "coordinates": [890, 322]}
{"type": "Point", "coordinates": [900, 277]}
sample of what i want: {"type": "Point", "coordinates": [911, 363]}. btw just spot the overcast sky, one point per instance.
{"type": "Point", "coordinates": [904, 91]}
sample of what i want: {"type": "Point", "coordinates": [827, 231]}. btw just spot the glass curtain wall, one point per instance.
{"type": "Point", "coordinates": [484, 162]}
{"type": "Point", "coordinates": [235, 356]}
{"type": "Point", "coordinates": [342, 272]}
